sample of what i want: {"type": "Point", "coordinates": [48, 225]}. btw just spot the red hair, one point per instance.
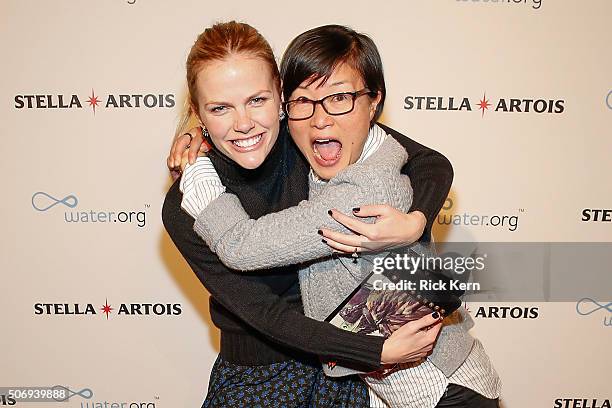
{"type": "Point", "coordinates": [223, 40]}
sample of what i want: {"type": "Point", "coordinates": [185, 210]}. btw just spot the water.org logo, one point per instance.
{"type": "Point", "coordinates": [117, 404]}
{"type": "Point", "coordinates": [124, 309]}
{"type": "Point", "coordinates": [535, 4]}
{"type": "Point", "coordinates": [132, 100]}
{"type": "Point", "coordinates": [44, 202]}
{"type": "Point", "coordinates": [447, 217]}
{"type": "Point", "coordinates": [588, 306]}
{"type": "Point", "coordinates": [484, 104]}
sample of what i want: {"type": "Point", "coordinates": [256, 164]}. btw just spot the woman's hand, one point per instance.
{"type": "Point", "coordinates": [413, 341]}
{"type": "Point", "coordinates": [392, 228]}
{"type": "Point", "coordinates": [185, 149]}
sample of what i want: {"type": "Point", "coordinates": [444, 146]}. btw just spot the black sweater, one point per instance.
{"type": "Point", "coordinates": [260, 315]}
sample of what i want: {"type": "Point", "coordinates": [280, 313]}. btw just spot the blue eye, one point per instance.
{"type": "Point", "coordinates": [259, 100]}
{"type": "Point", "coordinates": [218, 109]}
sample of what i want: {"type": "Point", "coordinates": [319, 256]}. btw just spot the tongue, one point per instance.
{"type": "Point", "coordinates": [328, 150]}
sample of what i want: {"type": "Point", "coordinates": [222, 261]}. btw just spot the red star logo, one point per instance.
{"type": "Point", "coordinates": [331, 364]}
{"type": "Point", "coordinates": [484, 104]}
{"type": "Point", "coordinates": [93, 101]}
{"type": "Point", "coordinates": [106, 309]}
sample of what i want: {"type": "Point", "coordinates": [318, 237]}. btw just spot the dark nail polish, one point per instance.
{"type": "Point", "coordinates": [324, 241]}
{"type": "Point", "coordinates": [329, 212]}
{"type": "Point", "coordinates": [319, 232]}
{"type": "Point", "coordinates": [435, 315]}
{"type": "Point", "coordinates": [356, 209]}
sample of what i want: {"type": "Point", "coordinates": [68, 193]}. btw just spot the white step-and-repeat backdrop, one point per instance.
{"type": "Point", "coordinates": [516, 93]}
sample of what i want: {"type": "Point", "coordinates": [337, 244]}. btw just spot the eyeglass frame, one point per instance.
{"type": "Point", "coordinates": [314, 104]}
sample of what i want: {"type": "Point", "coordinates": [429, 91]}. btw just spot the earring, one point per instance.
{"type": "Point", "coordinates": [281, 114]}
{"type": "Point", "coordinates": [205, 132]}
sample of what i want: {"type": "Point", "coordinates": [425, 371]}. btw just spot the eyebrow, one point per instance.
{"type": "Point", "coordinates": [249, 97]}
{"type": "Point", "coordinates": [259, 93]}
{"type": "Point", "coordinates": [341, 82]}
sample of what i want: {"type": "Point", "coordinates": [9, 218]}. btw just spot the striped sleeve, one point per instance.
{"type": "Point", "coordinates": [423, 385]}
{"type": "Point", "coordinates": [478, 374]}
{"type": "Point", "coordinates": [200, 185]}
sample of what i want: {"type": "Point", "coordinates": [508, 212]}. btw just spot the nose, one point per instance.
{"type": "Point", "coordinates": [243, 122]}
{"type": "Point", "coordinates": [320, 119]}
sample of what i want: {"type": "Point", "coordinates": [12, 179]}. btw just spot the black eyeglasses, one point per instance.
{"type": "Point", "coordinates": [335, 104]}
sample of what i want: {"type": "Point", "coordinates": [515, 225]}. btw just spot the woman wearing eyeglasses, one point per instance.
{"type": "Point", "coordinates": [268, 347]}
{"type": "Point", "coordinates": [334, 87]}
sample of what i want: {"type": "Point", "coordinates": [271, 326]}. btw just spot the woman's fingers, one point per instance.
{"type": "Point", "coordinates": [174, 172]}
{"type": "Point", "coordinates": [350, 240]}
{"type": "Point", "coordinates": [427, 321]}
{"type": "Point", "coordinates": [170, 159]}
{"type": "Point", "coordinates": [392, 227]}
{"type": "Point", "coordinates": [411, 342]}
{"type": "Point", "coordinates": [179, 147]}
{"type": "Point", "coordinates": [196, 143]}
{"type": "Point", "coordinates": [184, 160]}
{"type": "Point", "coordinates": [432, 332]}
{"type": "Point", "coordinates": [347, 243]}
{"type": "Point", "coordinates": [373, 210]}
{"type": "Point", "coordinates": [192, 140]}
{"type": "Point", "coordinates": [341, 248]}
{"type": "Point", "coordinates": [357, 226]}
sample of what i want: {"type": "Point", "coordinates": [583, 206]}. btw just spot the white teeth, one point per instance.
{"type": "Point", "coordinates": [323, 140]}
{"type": "Point", "coordinates": [251, 141]}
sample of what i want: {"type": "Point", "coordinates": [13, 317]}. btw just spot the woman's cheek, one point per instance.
{"type": "Point", "coordinates": [266, 117]}
{"type": "Point", "coordinates": [218, 127]}
{"type": "Point", "coordinates": [298, 133]}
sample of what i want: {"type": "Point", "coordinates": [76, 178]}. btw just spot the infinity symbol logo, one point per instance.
{"type": "Point", "coordinates": [85, 393]}
{"type": "Point", "coordinates": [69, 201]}
{"type": "Point", "coordinates": [595, 306]}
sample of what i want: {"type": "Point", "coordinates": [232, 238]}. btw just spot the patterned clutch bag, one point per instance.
{"type": "Point", "coordinates": [385, 301]}
{"type": "Point", "coordinates": [374, 308]}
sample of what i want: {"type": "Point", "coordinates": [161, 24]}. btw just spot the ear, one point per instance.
{"type": "Point", "coordinates": [374, 104]}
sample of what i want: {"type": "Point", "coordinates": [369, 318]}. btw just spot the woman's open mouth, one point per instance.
{"type": "Point", "coordinates": [327, 152]}
{"type": "Point", "coordinates": [248, 144]}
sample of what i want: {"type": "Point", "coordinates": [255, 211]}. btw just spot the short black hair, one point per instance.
{"type": "Point", "coordinates": [316, 53]}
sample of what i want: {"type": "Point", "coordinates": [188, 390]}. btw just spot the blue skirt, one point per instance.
{"type": "Point", "coordinates": [288, 384]}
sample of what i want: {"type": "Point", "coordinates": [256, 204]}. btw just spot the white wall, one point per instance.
{"type": "Point", "coordinates": [543, 168]}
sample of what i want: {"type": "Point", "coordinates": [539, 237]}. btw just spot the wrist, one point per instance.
{"type": "Point", "coordinates": [419, 216]}
{"type": "Point", "coordinates": [386, 355]}
{"type": "Point", "coordinates": [419, 219]}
